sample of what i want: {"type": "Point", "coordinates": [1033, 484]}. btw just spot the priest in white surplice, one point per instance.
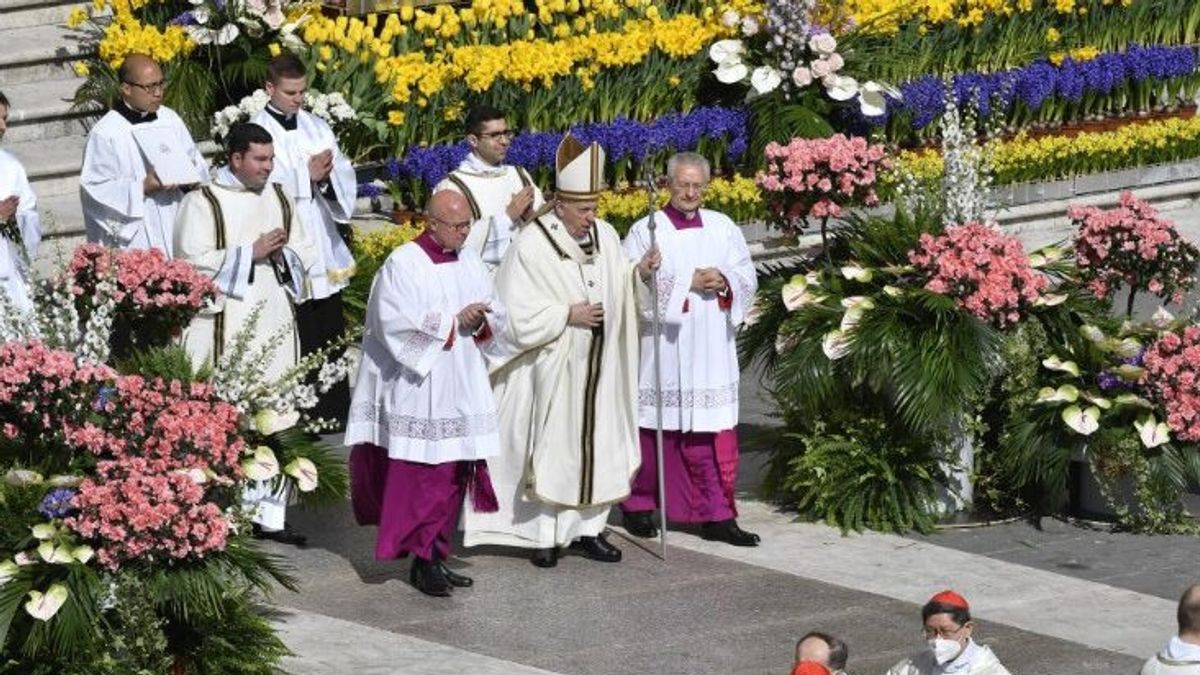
{"type": "Point", "coordinates": [502, 197]}
{"type": "Point", "coordinates": [566, 378]}
{"type": "Point", "coordinates": [321, 181]}
{"type": "Point", "coordinates": [20, 227]}
{"type": "Point", "coordinates": [124, 203]}
{"type": "Point", "coordinates": [244, 233]}
{"type": "Point", "coordinates": [706, 285]}
{"type": "Point", "coordinates": [424, 418]}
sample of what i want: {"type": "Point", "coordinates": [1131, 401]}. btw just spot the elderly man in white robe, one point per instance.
{"type": "Point", "coordinates": [125, 205]}
{"type": "Point", "coordinates": [706, 285]}
{"type": "Point", "coordinates": [20, 226]}
{"type": "Point", "coordinates": [320, 179]}
{"type": "Point", "coordinates": [423, 418]}
{"type": "Point", "coordinates": [502, 197]}
{"type": "Point", "coordinates": [244, 233]}
{"type": "Point", "coordinates": [566, 379]}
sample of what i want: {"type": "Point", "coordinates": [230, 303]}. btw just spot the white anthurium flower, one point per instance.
{"type": "Point", "coordinates": [1134, 400]}
{"type": "Point", "coordinates": [871, 99]}
{"type": "Point", "coordinates": [857, 272]}
{"type": "Point", "coordinates": [1162, 318]}
{"type": "Point", "coordinates": [197, 2]}
{"type": "Point", "coordinates": [1091, 333]}
{"type": "Point", "coordinates": [1152, 432]}
{"type": "Point", "coordinates": [1083, 422]}
{"type": "Point", "coordinates": [8, 571]}
{"type": "Point", "coordinates": [784, 343]}
{"type": "Point", "coordinates": [261, 466]}
{"type": "Point", "coordinates": [893, 291]}
{"type": "Point", "coordinates": [835, 344]}
{"type": "Point", "coordinates": [765, 79]}
{"type": "Point", "coordinates": [55, 555]}
{"type": "Point", "coordinates": [730, 18]}
{"type": "Point", "coordinates": [856, 306]}
{"type": "Point", "coordinates": [840, 87]}
{"type": "Point", "coordinates": [823, 43]}
{"type": "Point", "coordinates": [43, 606]}
{"type": "Point", "coordinates": [305, 473]}
{"type": "Point", "coordinates": [731, 73]}
{"type": "Point", "coordinates": [267, 421]}
{"type": "Point", "coordinates": [862, 301]}
{"type": "Point", "coordinates": [82, 553]}
{"type": "Point", "coordinates": [727, 51]}
{"type": "Point", "coordinates": [1055, 363]}
{"type": "Point", "coordinates": [22, 477]}
{"type": "Point", "coordinates": [26, 558]}
{"type": "Point", "coordinates": [1067, 393]}
{"type": "Point", "coordinates": [1052, 253]}
{"type": "Point", "coordinates": [44, 531]}
{"type": "Point", "coordinates": [1129, 372]}
{"type": "Point", "coordinates": [1128, 348]}
{"type": "Point", "coordinates": [1097, 400]}
{"type": "Point", "coordinates": [1051, 299]}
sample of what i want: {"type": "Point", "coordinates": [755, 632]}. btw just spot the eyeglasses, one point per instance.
{"type": "Point", "coordinates": [152, 88]}
{"type": "Point", "coordinates": [944, 633]}
{"type": "Point", "coordinates": [454, 226]}
{"type": "Point", "coordinates": [507, 134]}
{"type": "Point", "coordinates": [698, 187]}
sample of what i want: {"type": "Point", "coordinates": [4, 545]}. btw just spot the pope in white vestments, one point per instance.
{"type": "Point", "coordinates": [312, 170]}
{"type": "Point", "coordinates": [423, 417]}
{"type": "Point", "coordinates": [244, 233]}
{"type": "Point", "coordinates": [20, 227]}
{"type": "Point", "coordinates": [706, 285]}
{"type": "Point", "coordinates": [566, 377]}
{"type": "Point", "coordinates": [125, 205]}
{"type": "Point", "coordinates": [502, 197]}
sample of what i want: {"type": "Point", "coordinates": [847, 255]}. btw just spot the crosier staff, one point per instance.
{"type": "Point", "coordinates": [656, 326]}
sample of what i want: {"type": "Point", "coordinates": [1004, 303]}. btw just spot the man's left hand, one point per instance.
{"type": "Point", "coordinates": [320, 165]}
{"type": "Point", "coordinates": [649, 263]}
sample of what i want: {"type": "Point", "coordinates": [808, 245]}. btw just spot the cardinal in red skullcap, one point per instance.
{"type": "Point", "coordinates": [949, 648]}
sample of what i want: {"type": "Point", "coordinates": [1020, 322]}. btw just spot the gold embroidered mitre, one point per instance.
{"type": "Point", "coordinates": [579, 170]}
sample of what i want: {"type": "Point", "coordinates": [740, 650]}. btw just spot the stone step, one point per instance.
{"type": "Point", "coordinates": [40, 53]}
{"type": "Point", "coordinates": [23, 14]}
{"type": "Point", "coordinates": [43, 110]}
{"type": "Point", "coordinates": [53, 164]}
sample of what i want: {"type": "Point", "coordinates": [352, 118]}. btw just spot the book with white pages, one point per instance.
{"type": "Point", "coordinates": [171, 163]}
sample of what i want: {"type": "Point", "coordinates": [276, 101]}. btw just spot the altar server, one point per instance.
{"type": "Point", "coordinates": [20, 227]}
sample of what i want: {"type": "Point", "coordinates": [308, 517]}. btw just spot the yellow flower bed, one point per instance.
{"type": "Point", "coordinates": [888, 15]}
{"type": "Point", "coordinates": [126, 35]}
{"type": "Point", "coordinates": [737, 197]}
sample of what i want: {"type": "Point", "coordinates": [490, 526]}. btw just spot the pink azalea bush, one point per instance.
{"type": "Point", "coordinates": [819, 177]}
{"type": "Point", "coordinates": [1130, 244]}
{"type": "Point", "coordinates": [984, 270]}
{"type": "Point", "coordinates": [1172, 379]}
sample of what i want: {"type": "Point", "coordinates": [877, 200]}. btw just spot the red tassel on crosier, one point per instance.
{"type": "Point", "coordinates": [479, 487]}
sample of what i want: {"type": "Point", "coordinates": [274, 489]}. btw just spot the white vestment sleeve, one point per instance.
{"type": "Point", "coordinates": [344, 183]}
{"type": "Point", "coordinates": [673, 284]}
{"type": "Point", "coordinates": [740, 274]}
{"type": "Point", "coordinates": [112, 186]}
{"type": "Point", "coordinates": [535, 318]}
{"type": "Point", "coordinates": [413, 333]}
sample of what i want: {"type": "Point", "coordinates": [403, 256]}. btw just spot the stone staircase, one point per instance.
{"type": "Point", "coordinates": [37, 51]}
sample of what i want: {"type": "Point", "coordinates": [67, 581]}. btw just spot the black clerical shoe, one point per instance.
{"type": "Point", "coordinates": [285, 536]}
{"type": "Point", "coordinates": [728, 532]}
{"type": "Point", "coordinates": [454, 579]}
{"type": "Point", "coordinates": [545, 557]}
{"type": "Point", "coordinates": [640, 524]}
{"type": "Point", "coordinates": [428, 577]}
{"type": "Point", "coordinates": [597, 548]}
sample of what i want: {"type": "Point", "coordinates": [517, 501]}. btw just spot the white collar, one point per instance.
{"type": "Point", "coordinates": [226, 179]}
{"type": "Point", "coordinates": [476, 165]}
{"type": "Point", "coordinates": [1179, 650]}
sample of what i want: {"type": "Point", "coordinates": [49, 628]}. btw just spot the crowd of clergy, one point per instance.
{"type": "Point", "coordinates": [519, 360]}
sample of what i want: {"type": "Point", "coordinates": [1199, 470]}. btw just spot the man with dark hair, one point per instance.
{"type": "Point", "coordinates": [502, 197]}
{"type": "Point", "coordinates": [312, 170]}
{"type": "Point", "coordinates": [125, 205]}
{"type": "Point", "coordinates": [949, 646]}
{"type": "Point", "coordinates": [824, 649]}
{"type": "Point", "coordinates": [1181, 656]}
{"type": "Point", "coordinates": [245, 234]}
{"type": "Point", "coordinates": [20, 227]}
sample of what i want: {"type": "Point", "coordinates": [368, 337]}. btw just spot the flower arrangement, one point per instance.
{"type": "Point", "coordinates": [737, 197]}
{"type": "Point", "coordinates": [1130, 244]}
{"type": "Point", "coordinates": [984, 270]}
{"type": "Point", "coordinates": [1172, 378]}
{"type": "Point", "coordinates": [818, 177]}
{"type": "Point", "coordinates": [331, 107]}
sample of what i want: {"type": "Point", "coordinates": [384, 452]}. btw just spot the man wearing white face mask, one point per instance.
{"type": "Point", "coordinates": [950, 649]}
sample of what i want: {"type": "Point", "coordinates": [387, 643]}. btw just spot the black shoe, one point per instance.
{"type": "Point", "coordinates": [597, 548]}
{"type": "Point", "coordinates": [456, 580]}
{"type": "Point", "coordinates": [640, 524]}
{"type": "Point", "coordinates": [427, 577]}
{"type": "Point", "coordinates": [545, 557]}
{"type": "Point", "coordinates": [285, 536]}
{"type": "Point", "coordinates": [728, 532]}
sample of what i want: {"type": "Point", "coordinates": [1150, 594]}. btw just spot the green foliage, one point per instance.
{"type": "Point", "coordinates": [169, 363]}
{"type": "Point", "coordinates": [334, 484]}
{"type": "Point", "coordinates": [864, 477]}
{"type": "Point", "coordinates": [1144, 489]}
{"type": "Point", "coordinates": [775, 119]}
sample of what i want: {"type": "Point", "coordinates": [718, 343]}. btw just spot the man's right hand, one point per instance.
{"type": "Point", "coordinates": [706, 280]}
{"type": "Point", "coordinates": [151, 184]}
{"type": "Point", "coordinates": [471, 317]}
{"type": "Point", "coordinates": [269, 244]}
{"type": "Point", "coordinates": [586, 315]}
{"type": "Point", "coordinates": [520, 204]}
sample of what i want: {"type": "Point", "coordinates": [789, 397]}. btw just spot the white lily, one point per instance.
{"type": "Point", "coordinates": [43, 606]}
{"type": "Point", "coordinates": [835, 344]}
{"type": "Point", "coordinates": [262, 466]}
{"type": "Point", "coordinates": [1083, 422]}
{"type": "Point", "coordinates": [1152, 432]}
{"type": "Point", "coordinates": [305, 473]}
{"type": "Point", "coordinates": [765, 79]}
{"type": "Point", "coordinates": [1055, 363]}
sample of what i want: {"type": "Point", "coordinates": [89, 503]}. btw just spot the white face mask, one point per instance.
{"type": "Point", "coordinates": [944, 651]}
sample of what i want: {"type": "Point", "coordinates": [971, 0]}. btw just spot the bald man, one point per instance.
{"type": "Point", "coordinates": [423, 418]}
{"type": "Point", "coordinates": [1181, 656]}
{"type": "Point", "coordinates": [125, 205]}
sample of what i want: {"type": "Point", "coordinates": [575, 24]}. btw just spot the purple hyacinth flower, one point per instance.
{"type": "Point", "coordinates": [57, 503]}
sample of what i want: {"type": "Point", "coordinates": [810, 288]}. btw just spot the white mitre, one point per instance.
{"type": "Point", "coordinates": [580, 170]}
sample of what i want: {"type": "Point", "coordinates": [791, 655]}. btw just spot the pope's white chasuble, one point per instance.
{"type": "Point", "coordinates": [566, 394]}
{"type": "Point", "coordinates": [488, 190]}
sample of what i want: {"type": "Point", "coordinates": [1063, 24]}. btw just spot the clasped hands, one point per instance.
{"type": "Point", "coordinates": [320, 165]}
{"type": "Point", "coordinates": [470, 318]}
{"type": "Point", "coordinates": [269, 244]}
{"type": "Point", "coordinates": [708, 280]}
